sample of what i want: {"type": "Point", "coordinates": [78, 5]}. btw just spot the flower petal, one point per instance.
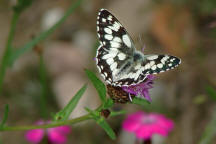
{"type": "Point", "coordinates": [34, 136]}
{"type": "Point", "coordinates": [58, 135]}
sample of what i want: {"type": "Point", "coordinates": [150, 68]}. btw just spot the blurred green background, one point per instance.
{"type": "Point", "coordinates": [36, 87]}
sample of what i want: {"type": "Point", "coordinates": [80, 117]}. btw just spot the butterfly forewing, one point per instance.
{"type": "Point", "coordinates": [116, 46]}
{"type": "Point", "coordinates": [119, 63]}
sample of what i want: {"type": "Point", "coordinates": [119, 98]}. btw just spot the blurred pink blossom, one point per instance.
{"type": "Point", "coordinates": [56, 135]}
{"type": "Point", "coordinates": [144, 125]}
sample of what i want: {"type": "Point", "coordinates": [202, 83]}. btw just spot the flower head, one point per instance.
{"type": "Point", "coordinates": [144, 125]}
{"type": "Point", "coordinates": [56, 135]}
{"type": "Point", "coordinates": [141, 90]}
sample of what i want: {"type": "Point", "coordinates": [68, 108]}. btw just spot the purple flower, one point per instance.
{"type": "Point", "coordinates": [56, 135]}
{"type": "Point", "coordinates": [144, 125]}
{"type": "Point", "coordinates": [141, 90]}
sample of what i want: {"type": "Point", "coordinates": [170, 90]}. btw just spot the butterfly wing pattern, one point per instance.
{"type": "Point", "coordinates": [119, 63]}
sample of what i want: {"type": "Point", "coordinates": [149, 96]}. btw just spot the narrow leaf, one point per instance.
{"type": "Point", "coordinates": [211, 91]}
{"type": "Point", "coordinates": [210, 131]}
{"type": "Point", "coordinates": [140, 101]}
{"type": "Point", "coordinates": [101, 122]}
{"type": "Point", "coordinates": [98, 84]}
{"type": "Point", "coordinates": [5, 115]}
{"type": "Point", "coordinates": [67, 110]}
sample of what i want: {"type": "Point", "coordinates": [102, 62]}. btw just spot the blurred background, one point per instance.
{"type": "Point", "coordinates": [186, 29]}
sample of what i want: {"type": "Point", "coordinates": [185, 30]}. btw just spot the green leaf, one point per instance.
{"type": "Point", "coordinates": [101, 122]}
{"type": "Point", "coordinates": [30, 45]}
{"type": "Point", "coordinates": [211, 91]}
{"type": "Point", "coordinates": [140, 101]}
{"type": "Point", "coordinates": [210, 131]}
{"type": "Point", "coordinates": [5, 116]}
{"type": "Point", "coordinates": [67, 110]}
{"type": "Point", "coordinates": [98, 84]}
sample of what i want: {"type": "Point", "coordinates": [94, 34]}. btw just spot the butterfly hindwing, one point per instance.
{"type": "Point", "coordinates": [154, 64]}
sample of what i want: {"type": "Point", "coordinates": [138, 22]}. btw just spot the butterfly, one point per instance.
{"type": "Point", "coordinates": [117, 59]}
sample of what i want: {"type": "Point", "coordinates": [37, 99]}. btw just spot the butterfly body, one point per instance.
{"type": "Point", "coordinates": [118, 61]}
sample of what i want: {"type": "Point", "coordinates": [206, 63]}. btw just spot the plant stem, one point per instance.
{"type": "Point", "coordinates": [43, 82]}
{"type": "Point", "coordinates": [54, 124]}
{"type": "Point", "coordinates": [8, 48]}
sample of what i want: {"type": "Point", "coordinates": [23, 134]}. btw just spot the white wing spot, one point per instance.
{"type": "Point", "coordinates": [103, 20]}
{"type": "Point", "coordinates": [137, 67]}
{"type": "Point", "coordinates": [113, 28]}
{"type": "Point", "coordinates": [147, 66]}
{"type": "Point", "coordinates": [117, 39]}
{"type": "Point", "coordinates": [121, 56]}
{"type": "Point", "coordinates": [108, 37]}
{"type": "Point", "coordinates": [152, 63]}
{"type": "Point", "coordinates": [154, 67]}
{"type": "Point", "coordinates": [152, 57]}
{"type": "Point", "coordinates": [170, 64]}
{"type": "Point", "coordinates": [108, 31]}
{"type": "Point", "coordinates": [126, 40]}
{"type": "Point", "coordinates": [105, 74]}
{"type": "Point", "coordinates": [114, 44]}
{"type": "Point", "coordinates": [109, 18]}
{"type": "Point", "coordinates": [113, 53]}
{"type": "Point", "coordinates": [160, 65]}
{"type": "Point", "coordinates": [113, 66]}
{"type": "Point", "coordinates": [172, 59]}
{"type": "Point", "coordinates": [110, 61]}
{"type": "Point", "coordinates": [107, 56]}
{"type": "Point", "coordinates": [117, 25]}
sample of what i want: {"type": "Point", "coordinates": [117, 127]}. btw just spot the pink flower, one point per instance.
{"type": "Point", "coordinates": [144, 125]}
{"type": "Point", "coordinates": [141, 90]}
{"type": "Point", "coordinates": [56, 135]}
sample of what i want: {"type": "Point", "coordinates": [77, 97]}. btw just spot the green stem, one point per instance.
{"type": "Point", "coordinates": [8, 48]}
{"type": "Point", "coordinates": [43, 82]}
{"type": "Point", "coordinates": [54, 124]}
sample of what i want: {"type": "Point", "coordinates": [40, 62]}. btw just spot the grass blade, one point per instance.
{"type": "Point", "coordinates": [98, 84]}
{"type": "Point", "coordinates": [67, 110]}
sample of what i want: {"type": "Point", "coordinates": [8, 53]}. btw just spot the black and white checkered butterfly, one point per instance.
{"type": "Point", "coordinates": [119, 63]}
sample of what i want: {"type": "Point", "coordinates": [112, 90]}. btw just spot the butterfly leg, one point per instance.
{"type": "Point", "coordinates": [129, 96]}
